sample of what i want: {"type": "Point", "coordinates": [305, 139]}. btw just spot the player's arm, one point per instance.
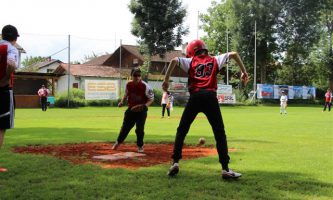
{"type": "Point", "coordinates": [121, 103]}
{"type": "Point", "coordinates": [235, 56]}
{"type": "Point", "coordinates": [171, 67]}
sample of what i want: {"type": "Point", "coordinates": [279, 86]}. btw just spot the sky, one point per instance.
{"type": "Point", "coordinates": [95, 27]}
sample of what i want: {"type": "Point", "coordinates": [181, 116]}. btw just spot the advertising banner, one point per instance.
{"type": "Point", "coordinates": [265, 91]}
{"type": "Point", "coordinates": [226, 98]}
{"type": "Point", "coordinates": [224, 89]}
{"type": "Point", "coordinates": [101, 89]}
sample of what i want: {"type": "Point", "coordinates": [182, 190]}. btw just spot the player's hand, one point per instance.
{"type": "Point", "coordinates": [138, 108]}
{"type": "Point", "coordinates": [245, 77]}
{"type": "Point", "coordinates": [120, 104]}
{"type": "Point", "coordinates": [165, 85]}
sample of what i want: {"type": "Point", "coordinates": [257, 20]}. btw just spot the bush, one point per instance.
{"type": "Point", "coordinates": [76, 99]}
{"type": "Point", "coordinates": [102, 102]}
{"type": "Point", "coordinates": [157, 97]}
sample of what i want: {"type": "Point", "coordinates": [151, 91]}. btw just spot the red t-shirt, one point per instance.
{"type": "Point", "coordinates": [202, 71]}
{"type": "Point", "coordinates": [138, 93]}
{"type": "Point", "coordinates": [3, 60]}
{"type": "Point", "coordinates": [328, 97]}
{"type": "Point", "coordinates": [3, 63]}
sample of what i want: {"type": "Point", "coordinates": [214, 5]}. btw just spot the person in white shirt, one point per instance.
{"type": "Point", "coordinates": [283, 103]}
{"type": "Point", "coordinates": [164, 103]}
{"type": "Point", "coordinates": [43, 93]}
{"type": "Point", "coordinates": [8, 63]}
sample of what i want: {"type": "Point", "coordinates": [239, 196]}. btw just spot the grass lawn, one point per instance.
{"type": "Point", "coordinates": [281, 157]}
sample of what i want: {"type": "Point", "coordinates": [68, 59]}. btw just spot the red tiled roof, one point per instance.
{"type": "Point", "coordinates": [88, 70]}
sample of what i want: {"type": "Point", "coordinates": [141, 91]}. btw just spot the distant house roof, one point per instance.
{"type": "Point", "coordinates": [19, 48]}
{"type": "Point", "coordinates": [100, 60]}
{"type": "Point", "coordinates": [134, 50]}
{"type": "Point", "coordinates": [47, 63]}
{"type": "Point", "coordinates": [156, 58]}
{"type": "Point", "coordinates": [88, 70]}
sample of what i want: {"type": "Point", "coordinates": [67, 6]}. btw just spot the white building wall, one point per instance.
{"type": "Point", "coordinates": [62, 84]}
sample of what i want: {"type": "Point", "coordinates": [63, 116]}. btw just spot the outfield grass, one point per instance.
{"type": "Point", "coordinates": [281, 157]}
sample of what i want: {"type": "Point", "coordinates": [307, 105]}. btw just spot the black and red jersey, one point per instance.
{"type": "Point", "coordinates": [3, 61]}
{"type": "Point", "coordinates": [138, 93]}
{"type": "Point", "coordinates": [202, 71]}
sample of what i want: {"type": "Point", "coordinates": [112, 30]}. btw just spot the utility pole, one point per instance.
{"type": "Point", "coordinates": [69, 69]}
{"type": "Point", "coordinates": [255, 57]}
{"type": "Point", "coordinates": [120, 68]}
{"type": "Point", "coordinates": [227, 52]}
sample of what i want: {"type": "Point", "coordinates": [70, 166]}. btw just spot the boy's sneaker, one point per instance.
{"type": "Point", "coordinates": [3, 169]}
{"type": "Point", "coordinates": [174, 169]}
{"type": "Point", "coordinates": [141, 150]}
{"type": "Point", "coordinates": [230, 174]}
{"type": "Point", "coordinates": [115, 146]}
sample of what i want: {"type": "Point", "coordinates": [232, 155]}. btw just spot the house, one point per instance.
{"type": "Point", "coordinates": [100, 60]}
{"type": "Point", "coordinates": [79, 73]}
{"type": "Point", "coordinates": [129, 56]}
{"type": "Point", "coordinates": [48, 66]}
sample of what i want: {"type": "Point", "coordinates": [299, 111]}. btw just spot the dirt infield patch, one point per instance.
{"type": "Point", "coordinates": [83, 153]}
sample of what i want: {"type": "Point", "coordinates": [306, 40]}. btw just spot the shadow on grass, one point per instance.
{"type": "Point", "coordinates": [32, 177]}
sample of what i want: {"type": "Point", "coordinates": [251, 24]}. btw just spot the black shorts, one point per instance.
{"type": "Point", "coordinates": [6, 108]}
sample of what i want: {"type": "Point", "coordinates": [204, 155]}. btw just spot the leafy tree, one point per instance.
{"type": "Point", "coordinates": [158, 25]}
{"type": "Point", "coordinates": [298, 31]}
{"type": "Point", "coordinates": [29, 63]}
{"type": "Point", "coordinates": [238, 18]}
{"type": "Point", "coordinates": [327, 16]}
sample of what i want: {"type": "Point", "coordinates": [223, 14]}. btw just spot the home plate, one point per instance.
{"type": "Point", "coordinates": [119, 156]}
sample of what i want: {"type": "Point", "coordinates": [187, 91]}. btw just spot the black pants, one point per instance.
{"type": "Point", "coordinates": [7, 107]}
{"type": "Point", "coordinates": [207, 103]}
{"type": "Point", "coordinates": [327, 104]}
{"type": "Point", "coordinates": [43, 102]}
{"type": "Point", "coordinates": [130, 119]}
{"type": "Point", "coordinates": [163, 110]}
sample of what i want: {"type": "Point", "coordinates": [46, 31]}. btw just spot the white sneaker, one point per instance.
{"type": "Point", "coordinates": [115, 146]}
{"type": "Point", "coordinates": [141, 150]}
{"type": "Point", "coordinates": [174, 169]}
{"type": "Point", "coordinates": [230, 174]}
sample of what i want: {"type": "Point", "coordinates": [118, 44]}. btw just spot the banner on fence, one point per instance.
{"type": "Point", "coordinates": [267, 91]}
{"type": "Point", "coordinates": [101, 89]}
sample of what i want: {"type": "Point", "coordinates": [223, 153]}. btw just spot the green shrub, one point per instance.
{"type": "Point", "coordinates": [76, 99]}
{"type": "Point", "coordinates": [102, 102]}
{"type": "Point", "coordinates": [157, 97]}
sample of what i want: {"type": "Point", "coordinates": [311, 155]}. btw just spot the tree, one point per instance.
{"type": "Point", "coordinates": [158, 25]}
{"type": "Point", "coordinates": [238, 18]}
{"type": "Point", "coordinates": [298, 31]}
{"type": "Point", "coordinates": [327, 15]}
{"type": "Point", "coordinates": [29, 63]}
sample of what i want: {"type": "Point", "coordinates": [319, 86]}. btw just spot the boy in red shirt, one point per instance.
{"type": "Point", "coordinates": [139, 96]}
{"type": "Point", "coordinates": [9, 57]}
{"type": "Point", "coordinates": [202, 70]}
{"type": "Point", "coordinates": [328, 100]}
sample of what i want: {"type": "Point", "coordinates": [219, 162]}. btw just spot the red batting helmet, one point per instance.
{"type": "Point", "coordinates": [195, 46]}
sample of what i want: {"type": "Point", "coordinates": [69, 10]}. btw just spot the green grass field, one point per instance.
{"type": "Point", "coordinates": [281, 157]}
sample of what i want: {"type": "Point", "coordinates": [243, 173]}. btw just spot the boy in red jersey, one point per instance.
{"type": "Point", "coordinates": [139, 96]}
{"type": "Point", "coordinates": [328, 100]}
{"type": "Point", "coordinates": [202, 72]}
{"type": "Point", "coordinates": [9, 57]}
